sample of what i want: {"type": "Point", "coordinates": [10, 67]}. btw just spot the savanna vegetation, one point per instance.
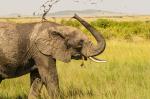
{"type": "Point", "coordinates": [126, 75]}
{"type": "Point", "coordinates": [117, 29]}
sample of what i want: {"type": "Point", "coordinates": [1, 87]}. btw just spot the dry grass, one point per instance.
{"type": "Point", "coordinates": [114, 18]}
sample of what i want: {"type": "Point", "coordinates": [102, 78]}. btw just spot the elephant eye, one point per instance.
{"type": "Point", "coordinates": [57, 34]}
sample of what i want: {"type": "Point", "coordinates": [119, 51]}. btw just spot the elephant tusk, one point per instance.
{"type": "Point", "coordinates": [97, 60]}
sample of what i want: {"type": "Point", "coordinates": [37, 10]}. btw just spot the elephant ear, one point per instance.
{"type": "Point", "coordinates": [52, 43]}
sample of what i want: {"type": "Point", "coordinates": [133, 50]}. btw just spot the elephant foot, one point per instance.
{"type": "Point", "coordinates": [35, 89]}
{"type": "Point", "coordinates": [54, 93]}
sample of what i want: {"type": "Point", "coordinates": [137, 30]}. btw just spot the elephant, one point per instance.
{"type": "Point", "coordinates": [34, 48]}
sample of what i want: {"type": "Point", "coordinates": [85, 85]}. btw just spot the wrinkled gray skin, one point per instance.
{"type": "Point", "coordinates": [34, 48]}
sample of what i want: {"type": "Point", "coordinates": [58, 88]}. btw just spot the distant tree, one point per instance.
{"type": "Point", "coordinates": [46, 7]}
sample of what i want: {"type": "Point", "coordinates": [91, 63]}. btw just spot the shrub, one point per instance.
{"type": "Point", "coordinates": [116, 29]}
{"type": "Point", "coordinates": [73, 23]}
{"type": "Point", "coordinates": [102, 23]}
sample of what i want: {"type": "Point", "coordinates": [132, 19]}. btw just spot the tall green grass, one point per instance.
{"type": "Point", "coordinates": [126, 75]}
{"type": "Point", "coordinates": [117, 29]}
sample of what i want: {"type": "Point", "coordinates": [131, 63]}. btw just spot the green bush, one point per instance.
{"type": "Point", "coordinates": [73, 23]}
{"type": "Point", "coordinates": [102, 23]}
{"type": "Point", "coordinates": [116, 29]}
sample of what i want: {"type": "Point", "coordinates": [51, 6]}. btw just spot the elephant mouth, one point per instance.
{"type": "Point", "coordinates": [77, 56]}
{"type": "Point", "coordinates": [94, 59]}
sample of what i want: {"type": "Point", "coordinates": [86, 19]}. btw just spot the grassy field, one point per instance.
{"type": "Point", "coordinates": [126, 75]}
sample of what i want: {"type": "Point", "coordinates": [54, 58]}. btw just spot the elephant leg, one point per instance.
{"type": "Point", "coordinates": [1, 79]}
{"type": "Point", "coordinates": [47, 69]}
{"type": "Point", "coordinates": [33, 75]}
{"type": "Point", "coordinates": [36, 85]}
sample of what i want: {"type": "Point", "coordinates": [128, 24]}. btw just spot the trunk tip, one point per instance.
{"type": "Point", "coordinates": [75, 16]}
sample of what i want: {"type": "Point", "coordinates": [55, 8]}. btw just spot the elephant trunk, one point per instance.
{"type": "Point", "coordinates": [101, 44]}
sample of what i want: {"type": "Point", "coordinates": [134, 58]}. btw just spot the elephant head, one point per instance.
{"type": "Point", "coordinates": [89, 49]}
{"type": "Point", "coordinates": [65, 43]}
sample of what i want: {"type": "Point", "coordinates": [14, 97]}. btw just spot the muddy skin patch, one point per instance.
{"type": "Point", "coordinates": [26, 68]}
{"type": "Point", "coordinates": [8, 71]}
